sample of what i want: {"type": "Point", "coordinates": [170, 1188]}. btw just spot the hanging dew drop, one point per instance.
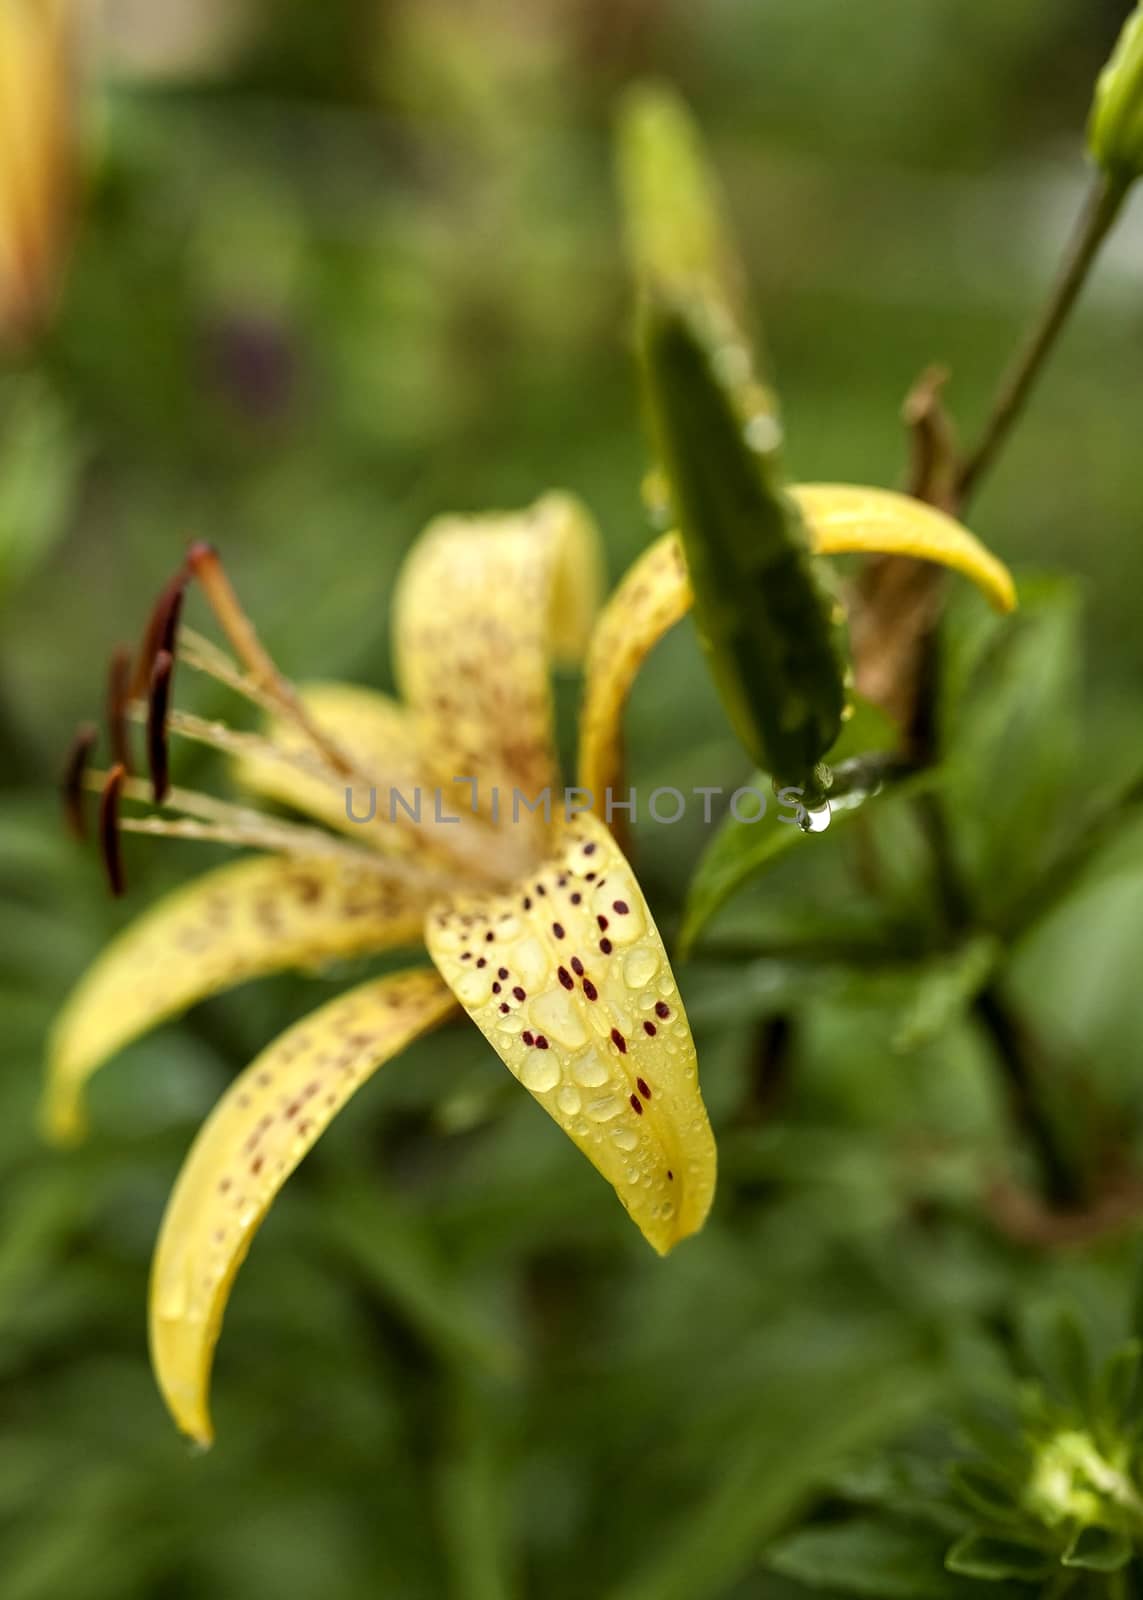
{"type": "Point", "coordinates": [815, 819]}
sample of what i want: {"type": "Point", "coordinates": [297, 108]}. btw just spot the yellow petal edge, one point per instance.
{"type": "Point", "coordinates": [266, 914]}
{"type": "Point", "coordinates": [843, 519]}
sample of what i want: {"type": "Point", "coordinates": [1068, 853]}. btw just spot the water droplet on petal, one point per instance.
{"type": "Point", "coordinates": [540, 1071]}
{"type": "Point", "coordinates": [554, 1013]}
{"type": "Point", "coordinates": [640, 966]}
{"type": "Point", "coordinates": [590, 1071]}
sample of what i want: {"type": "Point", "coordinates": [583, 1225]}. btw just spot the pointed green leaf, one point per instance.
{"type": "Point", "coordinates": [989, 1492]}
{"type": "Point", "coordinates": [1058, 1347]}
{"type": "Point", "coordinates": [890, 1560]}
{"type": "Point", "coordinates": [1118, 1383]}
{"type": "Point", "coordinates": [981, 1555]}
{"type": "Point", "coordinates": [40, 461]}
{"type": "Point", "coordinates": [742, 851]}
{"type": "Point", "coordinates": [677, 236]}
{"type": "Point", "coordinates": [996, 1435]}
{"type": "Point", "coordinates": [1098, 1550]}
{"type": "Point", "coordinates": [765, 620]}
{"type": "Point", "coordinates": [759, 1486]}
{"type": "Point", "coordinates": [1010, 727]}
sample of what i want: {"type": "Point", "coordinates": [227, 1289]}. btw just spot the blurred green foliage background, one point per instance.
{"type": "Point", "coordinates": [343, 267]}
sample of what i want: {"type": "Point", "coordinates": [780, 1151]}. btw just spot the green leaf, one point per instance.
{"type": "Point", "coordinates": [1098, 1550]}
{"type": "Point", "coordinates": [396, 1253]}
{"type": "Point", "coordinates": [996, 1435]}
{"type": "Point", "coordinates": [766, 623]}
{"type": "Point", "coordinates": [677, 236]}
{"type": "Point", "coordinates": [941, 988]}
{"type": "Point", "coordinates": [1118, 1383]}
{"type": "Point", "coordinates": [742, 851]}
{"type": "Point", "coordinates": [39, 465]}
{"type": "Point", "coordinates": [981, 1555]}
{"type": "Point", "coordinates": [1009, 735]}
{"type": "Point", "coordinates": [473, 1495]}
{"type": "Point", "coordinates": [808, 1430]}
{"type": "Point", "coordinates": [1058, 1348]}
{"type": "Point", "coordinates": [897, 1561]}
{"type": "Point", "coordinates": [988, 1491]}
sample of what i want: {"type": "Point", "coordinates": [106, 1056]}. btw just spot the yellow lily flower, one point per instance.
{"type": "Point", "coordinates": [38, 112]}
{"type": "Point", "coordinates": [536, 926]}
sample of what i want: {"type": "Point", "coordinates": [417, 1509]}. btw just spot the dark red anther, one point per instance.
{"type": "Point", "coordinates": [158, 751]}
{"type": "Point", "coordinates": [201, 553]}
{"type": "Point", "coordinates": [118, 693]}
{"type": "Point", "coordinates": [71, 784]}
{"type": "Point", "coordinates": [161, 631]}
{"type": "Point", "coordinates": [109, 838]}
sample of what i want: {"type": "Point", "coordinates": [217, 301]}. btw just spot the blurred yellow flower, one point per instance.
{"type": "Point", "coordinates": [38, 134]}
{"type": "Point", "coordinates": [535, 924]}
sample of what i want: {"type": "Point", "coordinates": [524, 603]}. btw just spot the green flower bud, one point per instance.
{"type": "Point", "coordinates": [1115, 134]}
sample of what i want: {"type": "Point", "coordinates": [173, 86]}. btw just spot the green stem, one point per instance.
{"type": "Point", "coordinates": [1017, 1056]}
{"type": "Point", "coordinates": [1102, 206]}
{"type": "Point", "coordinates": [1015, 1051]}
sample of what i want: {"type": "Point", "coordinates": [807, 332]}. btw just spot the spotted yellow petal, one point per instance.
{"type": "Point", "coordinates": [656, 593]}
{"type": "Point", "coordinates": [267, 1120]}
{"type": "Point", "coordinates": [482, 607]}
{"type": "Point", "coordinates": [567, 978]}
{"type": "Point", "coordinates": [257, 916]}
{"type": "Point", "coordinates": [842, 518]}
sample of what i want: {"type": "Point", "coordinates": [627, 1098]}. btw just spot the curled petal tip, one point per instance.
{"type": "Point", "coordinates": [61, 1121]}
{"type": "Point", "coordinates": [261, 1129]}
{"type": "Point", "coordinates": [850, 519]}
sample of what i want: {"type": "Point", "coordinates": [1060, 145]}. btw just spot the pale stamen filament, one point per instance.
{"type": "Point", "coordinates": [235, 742]}
{"type": "Point", "coordinates": [201, 654]}
{"type": "Point", "coordinates": [203, 561]}
{"type": "Point", "coordinates": [481, 852]}
{"type": "Point", "coordinates": [216, 821]}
